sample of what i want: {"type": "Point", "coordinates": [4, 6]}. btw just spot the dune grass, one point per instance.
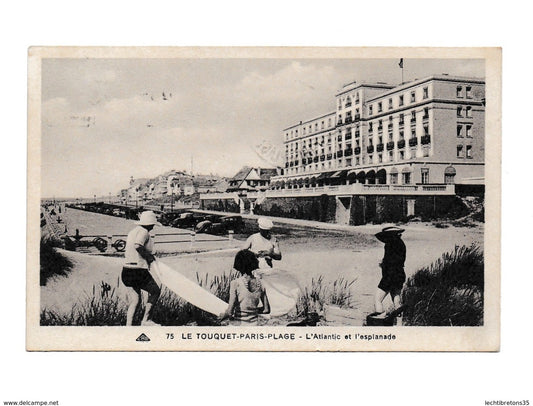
{"type": "Point", "coordinates": [52, 263]}
{"type": "Point", "coordinates": [319, 293]}
{"type": "Point", "coordinates": [449, 292]}
{"type": "Point", "coordinates": [103, 307]}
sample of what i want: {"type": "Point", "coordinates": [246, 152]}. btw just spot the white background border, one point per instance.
{"type": "Point", "coordinates": [187, 378]}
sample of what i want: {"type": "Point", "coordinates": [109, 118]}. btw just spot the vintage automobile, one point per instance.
{"type": "Point", "coordinates": [221, 226]}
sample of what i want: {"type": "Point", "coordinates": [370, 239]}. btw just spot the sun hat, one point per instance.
{"type": "Point", "coordinates": [147, 218]}
{"type": "Point", "coordinates": [393, 229]}
{"type": "Point", "coordinates": [265, 224]}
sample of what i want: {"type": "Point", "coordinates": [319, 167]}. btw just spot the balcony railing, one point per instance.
{"type": "Point", "coordinates": [315, 159]}
{"type": "Point", "coordinates": [296, 163]}
{"type": "Point", "coordinates": [348, 152]}
{"type": "Point", "coordinates": [379, 147]}
{"type": "Point", "coordinates": [291, 164]}
{"type": "Point", "coordinates": [348, 136]}
{"type": "Point", "coordinates": [322, 158]}
{"type": "Point", "coordinates": [349, 104]}
{"type": "Point", "coordinates": [413, 142]}
{"type": "Point", "coordinates": [357, 150]}
{"type": "Point", "coordinates": [401, 143]}
{"type": "Point", "coordinates": [339, 153]}
{"type": "Point", "coordinates": [390, 145]}
{"type": "Point", "coordinates": [286, 164]}
{"type": "Point", "coordinates": [370, 149]}
{"type": "Point", "coordinates": [357, 134]}
{"type": "Point", "coordinates": [329, 156]}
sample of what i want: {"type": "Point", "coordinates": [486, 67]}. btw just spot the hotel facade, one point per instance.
{"type": "Point", "coordinates": [386, 153]}
{"type": "Point", "coordinates": [429, 131]}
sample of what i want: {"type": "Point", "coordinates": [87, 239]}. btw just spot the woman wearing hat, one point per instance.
{"type": "Point", "coordinates": [263, 244]}
{"type": "Point", "coordinates": [135, 273]}
{"type": "Point", "coordinates": [246, 292]}
{"type": "Point", "coordinates": [393, 275]}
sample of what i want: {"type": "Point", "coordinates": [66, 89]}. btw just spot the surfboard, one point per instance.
{"type": "Point", "coordinates": [282, 290]}
{"type": "Point", "coordinates": [188, 290]}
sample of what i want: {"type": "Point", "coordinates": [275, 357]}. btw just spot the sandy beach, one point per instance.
{"type": "Point", "coordinates": [308, 252]}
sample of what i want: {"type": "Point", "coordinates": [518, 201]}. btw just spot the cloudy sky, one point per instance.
{"type": "Point", "coordinates": [104, 120]}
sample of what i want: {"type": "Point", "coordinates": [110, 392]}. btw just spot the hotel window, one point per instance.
{"type": "Point", "coordinates": [357, 97]}
{"type": "Point", "coordinates": [401, 134]}
{"type": "Point", "coordinates": [348, 162]}
{"type": "Point", "coordinates": [316, 126]}
{"type": "Point", "coordinates": [460, 111]}
{"type": "Point", "coordinates": [339, 162]}
{"type": "Point", "coordinates": [469, 131]}
{"type": "Point", "coordinates": [390, 156]}
{"type": "Point", "coordinates": [329, 122]}
{"type": "Point", "coordinates": [401, 119]}
{"type": "Point", "coordinates": [413, 133]}
{"type": "Point", "coordinates": [402, 155]}
{"type": "Point", "coordinates": [413, 116]}
{"type": "Point", "coordinates": [469, 111]}
{"type": "Point", "coordinates": [370, 110]}
{"type": "Point", "coordinates": [469, 151]}
{"type": "Point", "coordinates": [449, 178]}
{"type": "Point", "coordinates": [426, 112]}
{"type": "Point", "coordinates": [390, 104]}
{"type": "Point", "coordinates": [459, 92]}
{"type": "Point", "coordinates": [406, 178]}
{"type": "Point", "coordinates": [425, 151]}
{"type": "Point", "coordinates": [322, 125]}
{"type": "Point", "coordinates": [426, 93]}
{"type": "Point", "coordinates": [469, 92]}
{"type": "Point", "coordinates": [460, 151]}
{"type": "Point", "coordinates": [370, 159]}
{"type": "Point", "coordinates": [426, 130]}
{"type": "Point", "coordinates": [459, 131]}
{"type": "Point", "coordinates": [380, 158]}
{"type": "Point", "coordinates": [380, 107]}
{"type": "Point", "coordinates": [413, 97]}
{"type": "Point", "coordinates": [401, 101]}
{"type": "Point", "coordinates": [394, 178]}
{"type": "Point", "coordinates": [424, 172]}
{"type": "Point", "coordinates": [357, 160]}
{"type": "Point", "coordinates": [370, 126]}
{"type": "Point", "coordinates": [303, 131]}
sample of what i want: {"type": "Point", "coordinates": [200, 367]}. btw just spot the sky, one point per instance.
{"type": "Point", "coordinates": [105, 120]}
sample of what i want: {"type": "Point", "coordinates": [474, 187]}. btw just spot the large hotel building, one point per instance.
{"type": "Point", "coordinates": [428, 131]}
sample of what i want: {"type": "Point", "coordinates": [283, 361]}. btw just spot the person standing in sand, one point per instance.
{"type": "Point", "coordinates": [246, 292]}
{"type": "Point", "coordinates": [392, 267]}
{"type": "Point", "coordinates": [263, 244]}
{"type": "Point", "coordinates": [135, 273]}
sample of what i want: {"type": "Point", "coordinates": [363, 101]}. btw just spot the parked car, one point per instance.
{"type": "Point", "coordinates": [166, 219]}
{"type": "Point", "coordinates": [221, 226]}
{"type": "Point", "coordinates": [185, 220]}
{"type": "Point", "coordinates": [234, 223]}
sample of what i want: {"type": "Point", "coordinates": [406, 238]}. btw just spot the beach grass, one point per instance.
{"type": "Point", "coordinates": [449, 292]}
{"type": "Point", "coordinates": [319, 293]}
{"type": "Point", "coordinates": [52, 263]}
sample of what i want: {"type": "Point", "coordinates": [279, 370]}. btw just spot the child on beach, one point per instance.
{"type": "Point", "coordinates": [135, 273]}
{"type": "Point", "coordinates": [393, 274]}
{"type": "Point", "coordinates": [246, 292]}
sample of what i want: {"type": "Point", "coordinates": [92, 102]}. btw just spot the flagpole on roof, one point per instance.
{"type": "Point", "coordinates": [401, 66]}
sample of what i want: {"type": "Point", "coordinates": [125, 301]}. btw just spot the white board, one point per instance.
{"type": "Point", "coordinates": [282, 290]}
{"type": "Point", "coordinates": [188, 290]}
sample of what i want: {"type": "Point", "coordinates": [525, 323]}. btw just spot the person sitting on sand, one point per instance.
{"type": "Point", "coordinates": [246, 292]}
{"type": "Point", "coordinates": [135, 273]}
{"type": "Point", "coordinates": [263, 244]}
{"type": "Point", "coordinates": [393, 274]}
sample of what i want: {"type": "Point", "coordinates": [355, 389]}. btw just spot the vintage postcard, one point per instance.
{"type": "Point", "coordinates": [263, 199]}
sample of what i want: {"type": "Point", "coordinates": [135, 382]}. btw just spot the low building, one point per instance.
{"type": "Point", "coordinates": [250, 179]}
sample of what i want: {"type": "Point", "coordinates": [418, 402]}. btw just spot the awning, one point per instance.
{"type": "Point", "coordinates": [393, 170]}
{"type": "Point", "coordinates": [339, 174]}
{"type": "Point", "coordinates": [406, 170]}
{"type": "Point", "coordinates": [450, 170]}
{"type": "Point", "coordinates": [325, 175]}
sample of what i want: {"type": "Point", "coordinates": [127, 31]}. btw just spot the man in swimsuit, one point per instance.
{"type": "Point", "coordinates": [135, 273]}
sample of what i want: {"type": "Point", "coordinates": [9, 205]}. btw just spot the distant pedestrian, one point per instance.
{"type": "Point", "coordinates": [135, 273]}
{"type": "Point", "coordinates": [392, 267]}
{"type": "Point", "coordinates": [248, 297]}
{"type": "Point", "coordinates": [263, 244]}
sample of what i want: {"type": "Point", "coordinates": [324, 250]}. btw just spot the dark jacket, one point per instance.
{"type": "Point", "coordinates": [394, 257]}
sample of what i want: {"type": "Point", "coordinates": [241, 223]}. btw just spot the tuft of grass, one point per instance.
{"type": "Point", "coordinates": [319, 293]}
{"type": "Point", "coordinates": [52, 263]}
{"type": "Point", "coordinates": [449, 292]}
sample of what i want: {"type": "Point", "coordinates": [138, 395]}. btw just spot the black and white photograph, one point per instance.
{"type": "Point", "coordinates": [264, 199]}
